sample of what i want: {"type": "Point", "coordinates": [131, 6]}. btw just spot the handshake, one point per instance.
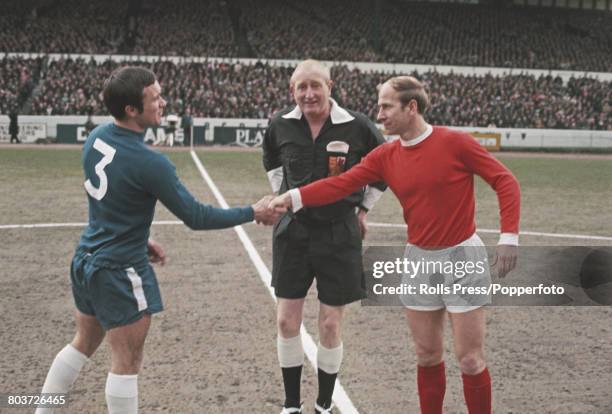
{"type": "Point", "coordinates": [270, 208]}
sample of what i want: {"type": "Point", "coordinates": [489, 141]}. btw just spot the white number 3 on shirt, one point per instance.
{"type": "Point", "coordinates": [109, 153]}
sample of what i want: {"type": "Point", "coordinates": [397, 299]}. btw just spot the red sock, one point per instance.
{"type": "Point", "coordinates": [477, 392]}
{"type": "Point", "coordinates": [432, 386]}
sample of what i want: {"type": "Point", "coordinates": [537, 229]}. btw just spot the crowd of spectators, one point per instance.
{"type": "Point", "coordinates": [18, 77]}
{"type": "Point", "coordinates": [222, 90]}
{"type": "Point", "coordinates": [521, 101]}
{"type": "Point", "coordinates": [234, 90]}
{"type": "Point", "coordinates": [464, 35]}
{"type": "Point", "coordinates": [71, 87]}
{"type": "Point", "coordinates": [185, 28]}
{"type": "Point", "coordinates": [67, 26]}
{"type": "Point", "coordinates": [359, 30]}
{"type": "Point", "coordinates": [281, 29]}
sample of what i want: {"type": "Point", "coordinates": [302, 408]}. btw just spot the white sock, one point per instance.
{"type": "Point", "coordinates": [62, 374]}
{"type": "Point", "coordinates": [122, 394]}
{"type": "Point", "coordinates": [290, 351]}
{"type": "Point", "coordinates": [329, 359]}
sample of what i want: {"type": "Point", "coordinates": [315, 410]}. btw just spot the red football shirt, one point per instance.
{"type": "Point", "coordinates": [434, 182]}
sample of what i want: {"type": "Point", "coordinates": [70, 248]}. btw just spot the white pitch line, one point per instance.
{"type": "Point", "coordinates": [340, 397]}
{"type": "Point", "coordinates": [40, 225]}
{"type": "Point", "coordinates": [55, 225]}
{"type": "Point", "coordinates": [522, 233]}
{"type": "Point", "coordinates": [372, 224]}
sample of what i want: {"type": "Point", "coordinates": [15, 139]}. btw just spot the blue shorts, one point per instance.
{"type": "Point", "coordinates": [115, 296]}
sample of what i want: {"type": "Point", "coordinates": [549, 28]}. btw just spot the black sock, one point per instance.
{"type": "Point", "coordinates": [326, 388]}
{"type": "Point", "coordinates": [292, 378]}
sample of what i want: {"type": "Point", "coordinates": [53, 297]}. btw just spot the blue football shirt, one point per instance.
{"type": "Point", "coordinates": [123, 180]}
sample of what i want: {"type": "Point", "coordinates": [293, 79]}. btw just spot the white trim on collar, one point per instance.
{"type": "Point", "coordinates": [337, 114]}
{"type": "Point", "coordinates": [418, 139]}
{"type": "Point", "coordinates": [296, 113]}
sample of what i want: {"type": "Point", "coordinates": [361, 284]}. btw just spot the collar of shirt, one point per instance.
{"type": "Point", "coordinates": [130, 133]}
{"type": "Point", "coordinates": [337, 114]}
{"type": "Point", "coordinates": [418, 139]}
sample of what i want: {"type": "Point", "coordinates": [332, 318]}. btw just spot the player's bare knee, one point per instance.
{"type": "Point", "coordinates": [88, 342]}
{"type": "Point", "coordinates": [429, 356]}
{"type": "Point", "coordinates": [126, 358]}
{"type": "Point", "coordinates": [84, 345]}
{"type": "Point", "coordinates": [472, 363]}
{"type": "Point", "coordinates": [127, 362]}
{"type": "Point", "coordinates": [429, 360]}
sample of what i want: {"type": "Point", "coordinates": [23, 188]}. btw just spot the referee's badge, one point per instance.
{"type": "Point", "coordinates": [336, 157]}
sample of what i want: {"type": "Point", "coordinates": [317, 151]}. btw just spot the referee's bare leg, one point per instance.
{"type": "Point", "coordinates": [127, 348]}
{"type": "Point", "coordinates": [69, 361]}
{"type": "Point", "coordinates": [468, 338]}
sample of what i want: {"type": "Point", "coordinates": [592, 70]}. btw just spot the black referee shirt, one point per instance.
{"type": "Point", "coordinates": [288, 144]}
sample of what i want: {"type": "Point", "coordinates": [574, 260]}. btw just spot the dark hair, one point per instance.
{"type": "Point", "coordinates": [410, 88]}
{"type": "Point", "coordinates": [124, 87]}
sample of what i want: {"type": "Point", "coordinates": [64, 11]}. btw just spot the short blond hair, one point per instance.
{"type": "Point", "coordinates": [409, 88]}
{"type": "Point", "coordinates": [311, 64]}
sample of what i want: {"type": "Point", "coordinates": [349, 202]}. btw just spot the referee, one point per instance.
{"type": "Point", "coordinates": [312, 140]}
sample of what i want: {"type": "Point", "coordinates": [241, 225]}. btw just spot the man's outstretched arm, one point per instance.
{"type": "Point", "coordinates": [331, 189]}
{"type": "Point", "coordinates": [166, 186]}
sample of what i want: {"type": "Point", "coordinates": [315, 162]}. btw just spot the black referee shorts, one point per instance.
{"type": "Point", "coordinates": [329, 252]}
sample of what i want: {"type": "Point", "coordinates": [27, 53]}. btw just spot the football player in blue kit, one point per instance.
{"type": "Point", "coordinates": [113, 283]}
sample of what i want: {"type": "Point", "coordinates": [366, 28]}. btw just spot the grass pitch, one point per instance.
{"type": "Point", "coordinates": [213, 348]}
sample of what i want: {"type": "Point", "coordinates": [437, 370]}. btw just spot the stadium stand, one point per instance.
{"type": "Point", "coordinates": [185, 28]}
{"type": "Point", "coordinates": [224, 90]}
{"type": "Point", "coordinates": [69, 26]}
{"type": "Point", "coordinates": [18, 77]}
{"type": "Point", "coordinates": [290, 30]}
{"type": "Point", "coordinates": [464, 35]}
{"type": "Point", "coordinates": [71, 87]}
{"type": "Point", "coordinates": [360, 30]}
